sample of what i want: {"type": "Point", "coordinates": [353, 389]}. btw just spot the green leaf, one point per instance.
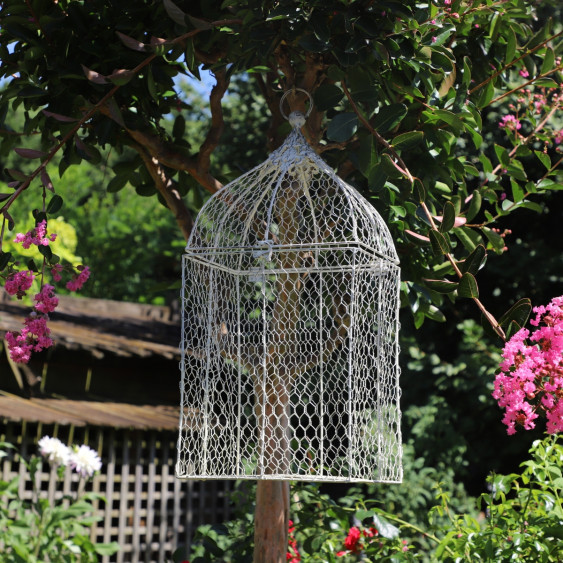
{"type": "Point", "coordinates": [474, 205]}
{"type": "Point", "coordinates": [547, 184]}
{"type": "Point", "coordinates": [548, 61]}
{"type": "Point", "coordinates": [106, 548]}
{"type": "Point", "coordinates": [327, 96]}
{"type": "Point", "coordinates": [116, 183]}
{"type": "Point", "coordinates": [367, 157]}
{"type": "Point", "coordinates": [441, 286]}
{"type": "Point", "coordinates": [519, 313]}
{"type": "Point", "coordinates": [497, 242]}
{"type": "Point", "coordinates": [510, 47]}
{"type": "Point", "coordinates": [468, 237]}
{"type": "Point", "coordinates": [468, 286]}
{"type": "Point", "coordinates": [45, 251]}
{"type": "Point", "coordinates": [435, 314]}
{"type": "Point", "coordinates": [544, 159]}
{"type": "Point", "coordinates": [439, 242]}
{"type": "Point", "coordinates": [531, 205]}
{"type": "Point", "coordinates": [384, 528]}
{"type": "Point", "coordinates": [179, 127]}
{"type": "Point", "coordinates": [546, 83]}
{"type": "Point", "coordinates": [486, 95]}
{"type": "Point", "coordinates": [442, 35]}
{"type": "Point", "coordinates": [390, 167]}
{"type": "Point", "coordinates": [361, 514]}
{"type": "Point", "coordinates": [342, 127]}
{"type": "Point", "coordinates": [448, 217]}
{"type": "Point", "coordinates": [389, 117]}
{"type": "Point", "coordinates": [419, 190]}
{"type": "Point", "coordinates": [5, 258]}
{"type": "Point", "coordinates": [517, 191]}
{"type": "Point", "coordinates": [55, 204]}
{"type": "Point", "coordinates": [407, 140]}
{"type": "Point", "coordinates": [502, 155]}
{"type": "Point", "coordinates": [474, 261]}
{"type": "Point", "coordinates": [450, 118]}
{"type": "Point", "coordinates": [466, 78]}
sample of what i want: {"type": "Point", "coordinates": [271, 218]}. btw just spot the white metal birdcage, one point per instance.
{"type": "Point", "coordinates": [290, 329]}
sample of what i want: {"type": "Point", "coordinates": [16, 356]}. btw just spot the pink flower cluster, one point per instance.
{"type": "Point", "coordinates": [35, 335]}
{"type": "Point", "coordinates": [530, 382]}
{"type": "Point", "coordinates": [19, 282]}
{"type": "Point", "coordinates": [510, 122]}
{"type": "Point", "coordinates": [37, 236]}
{"type": "Point", "coordinates": [79, 280]}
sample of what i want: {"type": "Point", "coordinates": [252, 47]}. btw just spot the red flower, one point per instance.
{"type": "Point", "coordinates": [351, 541]}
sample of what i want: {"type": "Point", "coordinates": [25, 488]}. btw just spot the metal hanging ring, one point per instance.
{"type": "Point", "coordinates": [292, 91]}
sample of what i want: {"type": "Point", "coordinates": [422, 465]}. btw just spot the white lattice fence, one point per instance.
{"type": "Point", "coordinates": [149, 512]}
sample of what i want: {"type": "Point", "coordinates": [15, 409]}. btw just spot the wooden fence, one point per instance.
{"type": "Point", "coordinates": [148, 512]}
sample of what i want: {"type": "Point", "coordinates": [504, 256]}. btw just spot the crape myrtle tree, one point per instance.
{"type": "Point", "coordinates": [443, 114]}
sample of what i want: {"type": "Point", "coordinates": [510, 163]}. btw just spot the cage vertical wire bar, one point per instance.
{"type": "Point", "coordinates": [290, 329]}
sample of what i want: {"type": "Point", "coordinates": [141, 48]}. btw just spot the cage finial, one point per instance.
{"type": "Point", "coordinates": [296, 118]}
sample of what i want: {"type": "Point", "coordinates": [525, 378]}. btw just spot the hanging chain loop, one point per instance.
{"type": "Point", "coordinates": [292, 91]}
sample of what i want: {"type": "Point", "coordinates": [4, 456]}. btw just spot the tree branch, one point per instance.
{"type": "Point", "coordinates": [217, 123]}
{"type": "Point", "coordinates": [167, 189]}
{"type": "Point", "coordinates": [402, 167]}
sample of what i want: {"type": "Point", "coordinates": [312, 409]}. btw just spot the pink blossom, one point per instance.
{"type": "Point", "coordinates": [510, 122]}
{"type": "Point", "coordinates": [524, 73]}
{"type": "Point", "coordinates": [79, 280]}
{"type": "Point", "coordinates": [555, 418]}
{"type": "Point", "coordinates": [34, 337]}
{"type": "Point", "coordinates": [530, 381]}
{"type": "Point", "coordinates": [447, 2]}
{"type": "Point", "coordinates": [46, 299]}
{"type": "Point", "coordinates": [558, 137]}
{"type": "Point", "coordinates": [19, 283]}
{"type": "Point", "coordinates": [37, 236]}
{"type": "Point", "coordinates": [433, 22]}
{"type": "Point", "coordinates": [434, 39]}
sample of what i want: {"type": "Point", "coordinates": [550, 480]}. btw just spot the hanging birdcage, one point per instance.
{"type": "Point", "coordinates": [290, 329]}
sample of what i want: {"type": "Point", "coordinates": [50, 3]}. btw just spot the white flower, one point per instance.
{"type": "Point", "coordinates": [54, 451]}
{"type": "Point", "coordinates": [85, 461]}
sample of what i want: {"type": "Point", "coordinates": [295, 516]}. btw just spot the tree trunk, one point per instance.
{"type": "Point", "coordinates": [273, 407]}
{"type": "Point", "coordinates": [271, 521]}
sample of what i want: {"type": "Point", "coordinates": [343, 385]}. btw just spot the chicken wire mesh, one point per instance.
{"type": "Point", "coordinates": [290, 330]}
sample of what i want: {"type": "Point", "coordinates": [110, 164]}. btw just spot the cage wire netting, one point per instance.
{"type": "Point", "coordinates": [290, 329]}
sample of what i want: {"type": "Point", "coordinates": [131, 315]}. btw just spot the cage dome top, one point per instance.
{"type": "Point", "coordinates": [293, 199]}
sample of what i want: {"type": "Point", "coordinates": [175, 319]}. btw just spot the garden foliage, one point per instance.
{"type": "Point", "coordinates": [36, 530]}
{"type": "Point", "coordinates": [445, 115]}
